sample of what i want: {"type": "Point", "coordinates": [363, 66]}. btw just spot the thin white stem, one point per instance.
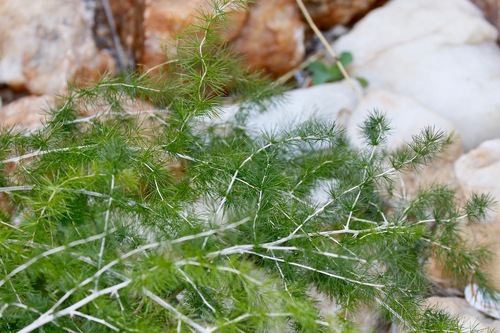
{"type": "Point", "coordinates": [127, 86]}
{"type": "Point", "coordinates": [209, 232]}
{"type": "Point", "coordinates": [42, 152]}
{"type": "Point", "coordinates": [323, 253]}
{"type": "Point", "coordinates": [157, 66]}
{"type": "Point", "coordinates": [52, 251]}
{"type": "Point", "coordinates": [378, 286]}
{"type": "Point", "coordinates": [308, 218]}
{"type": "Point", "coordinates": [48, 317]}
{"type": "Point", "coordinates": [259, 201]}
{"type": "Point", "coordinates": [394, 313]}
{"type": "Point", "coordinates": [94, 319]}
{"type": "Point", "coordinates": [106, 225]}
{"type": "Point", "coordinates": [16, 188]}
{"type": "Point", "coordinates": [219, 268]}
{"type": "Point", "coordinates": [285, 285]}
{"type": "Point", "coordinates": [249, 158]}
{"type": "Point", "coordinates": [179, 315]}
{"type": "Point", "coordinates": [188, 279]}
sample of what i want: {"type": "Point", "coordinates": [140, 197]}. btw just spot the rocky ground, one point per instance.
{"type": "Point", "coordinates": [427, 63]}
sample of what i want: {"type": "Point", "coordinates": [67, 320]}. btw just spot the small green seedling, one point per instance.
{"type": "Point", "coordinates": [323, 73]}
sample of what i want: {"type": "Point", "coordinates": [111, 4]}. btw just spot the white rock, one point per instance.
{"type": "Point", "coordinates": [441, 53]}
{"type": "Point", "coordinates": [327, 102]}
{"type": "Point", "coordinates": [469, 317]}
{"type": "Point", "coordinates": [43, 44]}
{"type": "Point", "coordinates": [407, 118]}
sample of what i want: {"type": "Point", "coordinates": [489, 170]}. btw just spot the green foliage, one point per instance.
{"type": "Point", "coordinates": [322, 73]}
{"type": "Point", "coordinates": [161, 220]}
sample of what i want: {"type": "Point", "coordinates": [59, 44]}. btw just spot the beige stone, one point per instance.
{"type": "Point", "coordinates": [166, 19]}
{"type": "Point", "coordinates": [45, 44]}
{"type": "Point", "coordinates": [273, 37]}
{"type": "Point", "coordinates": [27, 112]}
{"type": "Point", "coordinates": [488, 235]}
{"type": "Point", "coordinates": [469, 317]}
{"type": "Point", "coordinates": [478, 172]}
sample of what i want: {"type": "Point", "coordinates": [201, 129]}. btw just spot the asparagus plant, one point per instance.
{"type": "Point", "coordinates": [127, 220]}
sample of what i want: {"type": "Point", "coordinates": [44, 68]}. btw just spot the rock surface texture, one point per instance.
{"type": "Point", "coordinates": [272, 39]}
{"type": "Point", "coordinates": [119, 29]}
{"type": "Point", "coordinates": [270, 36]}
{"type": "Point", "coordinates": [479, 172]}
{"type": "Point", "coordinates": [429, 50]}
{"type": "Point", "coordinates": [165, 19]}
{"type": "Point", "coordinates": [328, 13]}
{"type": "Point", "coordinates": [26, 112]}
{"type": "Point", "coordinates": [41, 51]}
{"type": "Point", "coordinates": [470, 317]}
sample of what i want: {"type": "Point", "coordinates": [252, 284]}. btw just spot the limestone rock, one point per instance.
{"type": "Point", "coordinates": [165, 19]}
{"type": "Point", "coordinates": [46, 43]}
{"type": "Point", "coordinates": [329, 13]}
{"type": "Point", "coordinates": [26, 112]}
{"type": "Point", "coordinates": [273, 37]}
{"type": "Point", "coordinates": [469, 316]}
{"type": "Point", "coordinates": [429, 51]}
{"type": "Point", "coordinates": [407, 118]}
{"type": "Point", "coordinates": [474, 235]}
{"type": "Point", "coordinates": [479, 170]}
{"type": "Point", "coordinates": [327, 102]}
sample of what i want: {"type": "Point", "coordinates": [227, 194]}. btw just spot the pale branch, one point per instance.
{"type": "Point", "coordinates": [259, 202]}
{"type": "Point", "coordinates": [43, 152]}
{"type": "Point", "coordinates": [291, 263]}
{"type": "Point", "coordinates": [53, 251]}
{"type": "Point", "coordinates": [106, 225]}
{"type": "Point", "coordinates": [94, 319]}
{"type": "Point", "coordinates": [50, 316]}
{"type": "Point", "coordinates": [188, 279]}
{"type": "Point", "coordinates": [179, 315]}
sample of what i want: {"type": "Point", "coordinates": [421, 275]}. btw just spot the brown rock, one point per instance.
{"type": "Point", "coordinates": [165, 19]}
{"type": "Point", "coordinates": [26, 112]}
{"type": "Point", "coordinates": [119, 28]}
{"type": "Point", "coordinates": [328, 13]}
{"type": "Point", "coordinates": [46, 43]}
{"type": "Point", "coordinates": [273, 37]}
